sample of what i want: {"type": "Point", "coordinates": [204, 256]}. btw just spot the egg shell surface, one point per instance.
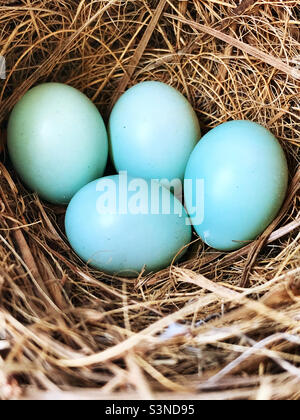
{"type": "Point", "coordinates": [245, 177]}
{"type": "Point", "coordinates": [124, 239]}
{"type": "Point", "coordinates": [153, 130]}
{"type": "Point", "coordinates": [57, 141]}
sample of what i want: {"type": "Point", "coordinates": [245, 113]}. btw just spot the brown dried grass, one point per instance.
{"type": "Point", "coordinates": [69, 332]}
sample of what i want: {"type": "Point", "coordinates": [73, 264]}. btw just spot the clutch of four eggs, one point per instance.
{"type": "Point", "coordinates": [235, 177]}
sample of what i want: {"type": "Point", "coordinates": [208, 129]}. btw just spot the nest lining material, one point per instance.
{"type": "Point", "coordinates": [219, 326]}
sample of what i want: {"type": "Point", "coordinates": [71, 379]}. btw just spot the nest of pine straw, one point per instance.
{"type": "Point", "coordinates": [218, 326]}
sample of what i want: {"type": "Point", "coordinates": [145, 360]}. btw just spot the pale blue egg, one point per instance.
{"type": "Point", "coordinates": [235, 184]}
{"type": "Point", "coordinates": [57, 141]}
{"type": "Point", "coordinates": [122, 225]}
{"type": "Point", "coordinates": [153, 130]}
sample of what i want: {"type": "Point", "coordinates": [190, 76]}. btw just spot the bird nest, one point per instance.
{"type": "Point", "coordinates": [215, 326]}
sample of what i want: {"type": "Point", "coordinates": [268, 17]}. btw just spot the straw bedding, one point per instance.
{"type": "Point", "coordinates": [218, 326]}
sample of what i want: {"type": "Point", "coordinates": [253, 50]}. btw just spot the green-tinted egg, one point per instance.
{"type": "Point", "coordinates": [57, 141]}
